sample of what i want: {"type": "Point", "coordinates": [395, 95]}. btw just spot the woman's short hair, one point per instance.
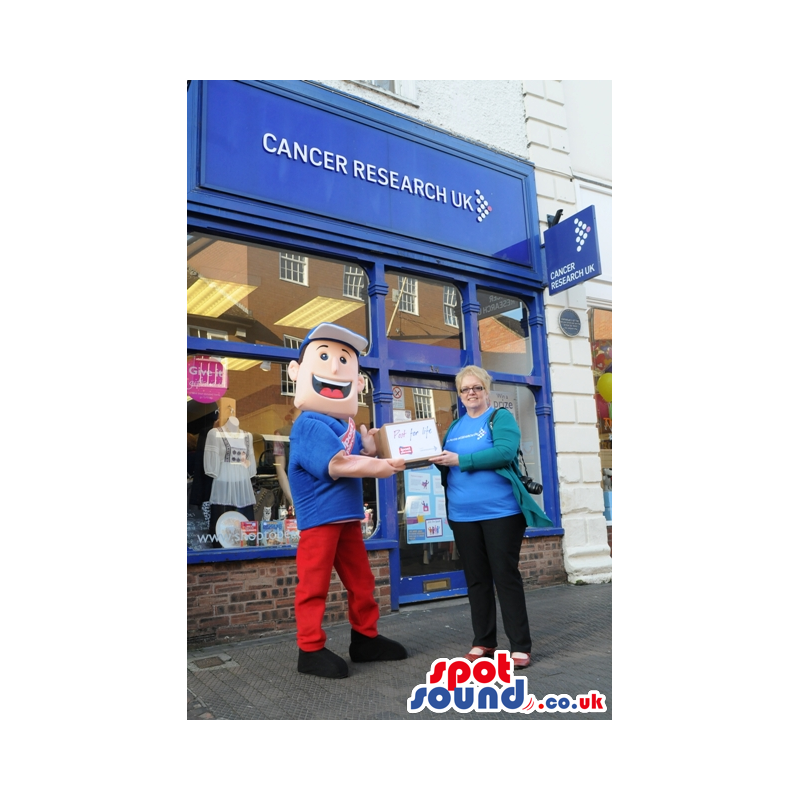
{"type": "Point", "coordinates": [477, 372]}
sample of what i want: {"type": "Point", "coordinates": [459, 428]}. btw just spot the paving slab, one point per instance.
{"type": "Point", "coordinates": [570, 626]}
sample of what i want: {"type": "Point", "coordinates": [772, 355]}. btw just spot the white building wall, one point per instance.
{"type": "Point", "coordinates": [531, 119]}
{"type": "Point", "coordinates": [568, 124]}
{"type": "Point", "coordinates": [489, 112]}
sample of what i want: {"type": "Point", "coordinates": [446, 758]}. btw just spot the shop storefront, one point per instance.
{"type": "Point", "coordinates": [306, 205]}
{"type": "Point", "coordinates": [600, 335]}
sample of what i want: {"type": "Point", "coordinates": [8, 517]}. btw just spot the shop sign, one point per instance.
{"type": "Point", "coordinates": [504, 400]}
{"type": "Point", "coordinates": [572, 254]}
{"type": "Point", "coordinates": [398, 397]}
{"type": "Point", "coordinates": [206, 378]}
{"type": "Point", "coordinates": [276, 145]}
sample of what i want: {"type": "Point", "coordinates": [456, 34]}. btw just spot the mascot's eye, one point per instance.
{"type": "Point", "coordinates": [343, 359]}
{"type": "Point", "coordinates": [323, 357]}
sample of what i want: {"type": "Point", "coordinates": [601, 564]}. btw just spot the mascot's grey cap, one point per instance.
{"type": "Point", "coordinates": [336, 333]}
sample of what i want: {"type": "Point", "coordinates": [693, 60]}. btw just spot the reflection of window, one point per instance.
{"type": "Point", "coordinates": [450, 305]}
{"type": "Point", "coordinates": [362, 396]}
{"type": "Point", "coordinates": [353, 282]}
{"type": "Point", "coordinates": [293, 268]}
{"type": "Point", "coordinates": [288, 386]}
{"type": "Point", "coordinates": [408, 294]}
{"type": "Point", "coordinates": [423, 403]}
{"type": "Point", "coordinates": [415, 312]}
{"type": "Point", "coordinates": [207, 333]}
{"type": "Point", "coordinates": [504, 334]}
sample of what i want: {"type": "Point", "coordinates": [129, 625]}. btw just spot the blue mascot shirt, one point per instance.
{"type": "Point", "coordinates": [319, 499]}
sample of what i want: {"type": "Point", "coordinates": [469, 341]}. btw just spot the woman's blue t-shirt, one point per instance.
{"type": "Point", "coordinates": [481, 493]}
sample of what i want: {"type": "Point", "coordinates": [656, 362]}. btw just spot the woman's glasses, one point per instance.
{"type": "Point", "coordinates": [467, 389]}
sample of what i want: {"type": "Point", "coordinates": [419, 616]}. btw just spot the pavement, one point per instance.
{"type": "Point", "coordinates": [570, 625]}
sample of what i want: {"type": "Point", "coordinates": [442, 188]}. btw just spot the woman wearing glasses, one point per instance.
{"type": "Point", "coordinates": [488, 510]}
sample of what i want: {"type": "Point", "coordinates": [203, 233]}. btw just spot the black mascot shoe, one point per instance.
{"type": "Point", "coordinates": [322, 663]}
{"type": "Point", "coordinates": [362, 648]}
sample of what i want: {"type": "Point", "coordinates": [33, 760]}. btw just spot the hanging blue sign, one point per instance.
{"type": "Point", "coordinates": [571, 252]}
{"type": "Point", "coordinates": [274, 145]}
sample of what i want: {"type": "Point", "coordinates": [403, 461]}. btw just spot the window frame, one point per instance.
{"type": "Point", "coordinates": [403, 282]}
{"type": "Point", "coordinates": [422, 397]}
{"type": "Point", "coordinates": [362, 278]}
{"type": "Point", "coordinates": [450, 309]}
{"type": "Point", "coordinates": [288, 257]}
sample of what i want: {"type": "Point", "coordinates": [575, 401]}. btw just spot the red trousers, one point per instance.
{"type": "Point", "coordinates": [338, 545]}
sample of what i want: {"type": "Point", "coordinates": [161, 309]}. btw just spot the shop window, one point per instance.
{"type": "Point", "coordinates": [261, 295]}
{"type": "Point", "coordinates": [414, 313]}
{"type": "Point", "coordinates": [519, 400]}
{"type": "Point", "coordinates": [255, 397]}
{"type": "Point", "coordinates": [600, 335]}
{"type": "Point", "coordinates": [293, 268]}
{"type": "Point", "coordinates": [419, 494]}
{"type": "Point", "coordinates": [505, 336]}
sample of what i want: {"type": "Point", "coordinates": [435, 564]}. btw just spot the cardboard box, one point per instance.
{"type": "Point", "coordinates": [415, 440]}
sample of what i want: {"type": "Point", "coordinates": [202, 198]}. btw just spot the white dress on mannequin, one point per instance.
{"type": "Point", "coordinates": [228, 458]}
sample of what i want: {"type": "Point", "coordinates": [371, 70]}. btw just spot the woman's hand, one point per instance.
{"type": "Point", "coordinates": [446, 459]}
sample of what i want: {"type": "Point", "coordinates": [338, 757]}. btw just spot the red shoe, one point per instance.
{"type": "Point", "coordinates": [480, 652]}
{"type": "Point", "coordinates": [521, 660]}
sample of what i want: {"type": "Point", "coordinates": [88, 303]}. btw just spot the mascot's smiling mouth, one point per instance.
{"type": "Point", "coordinates": [335, 390]}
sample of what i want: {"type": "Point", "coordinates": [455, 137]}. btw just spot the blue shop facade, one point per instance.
{"type": "Point", "coordinates": [306, 205]}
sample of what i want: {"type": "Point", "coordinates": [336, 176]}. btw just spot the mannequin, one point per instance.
{"type": "Point", "coordinates": [228, 459]}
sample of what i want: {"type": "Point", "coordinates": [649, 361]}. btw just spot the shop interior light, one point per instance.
{"type": "Point", "coordinates": [239, 364]}
{"type": "Point", "coordinates": [320, 309]}
{"type": "Point", "coordinates": [209, 298]}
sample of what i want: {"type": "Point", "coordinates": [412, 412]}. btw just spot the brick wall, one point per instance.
{"type": "Point", "coordinates": [237, 600]}
{"type": "Point", "coordinates": [541, 561]}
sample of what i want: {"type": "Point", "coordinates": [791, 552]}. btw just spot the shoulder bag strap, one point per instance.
{"type": "Point", "coordinates": [519, 449]}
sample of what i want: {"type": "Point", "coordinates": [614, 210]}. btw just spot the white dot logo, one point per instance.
{"type": "Point", "coordinates": [582, 231]}
{"type": "Point", "coordinates": [483, 207]}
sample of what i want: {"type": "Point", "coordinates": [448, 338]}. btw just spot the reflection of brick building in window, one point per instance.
{"type": "Point", "coordinates": [264, 294]}
{"type": "Point", "coordinates": [501, 335]}
{"type": "Point", "coordinates": [424, 312]}
{"type": "Point", "coordinates": [260, 295]}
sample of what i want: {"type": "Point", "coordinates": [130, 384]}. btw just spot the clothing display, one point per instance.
{"type": "Point", "coordinates": [228, 458]}
{"type": "Point", "coordinates": [201, 481]}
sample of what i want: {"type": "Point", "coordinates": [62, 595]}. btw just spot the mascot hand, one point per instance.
{"type": "Point", "coordinates": [368, 446]}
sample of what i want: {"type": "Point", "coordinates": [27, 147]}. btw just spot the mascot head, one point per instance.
{"type": "Point", "coordinates": [326, 373]}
